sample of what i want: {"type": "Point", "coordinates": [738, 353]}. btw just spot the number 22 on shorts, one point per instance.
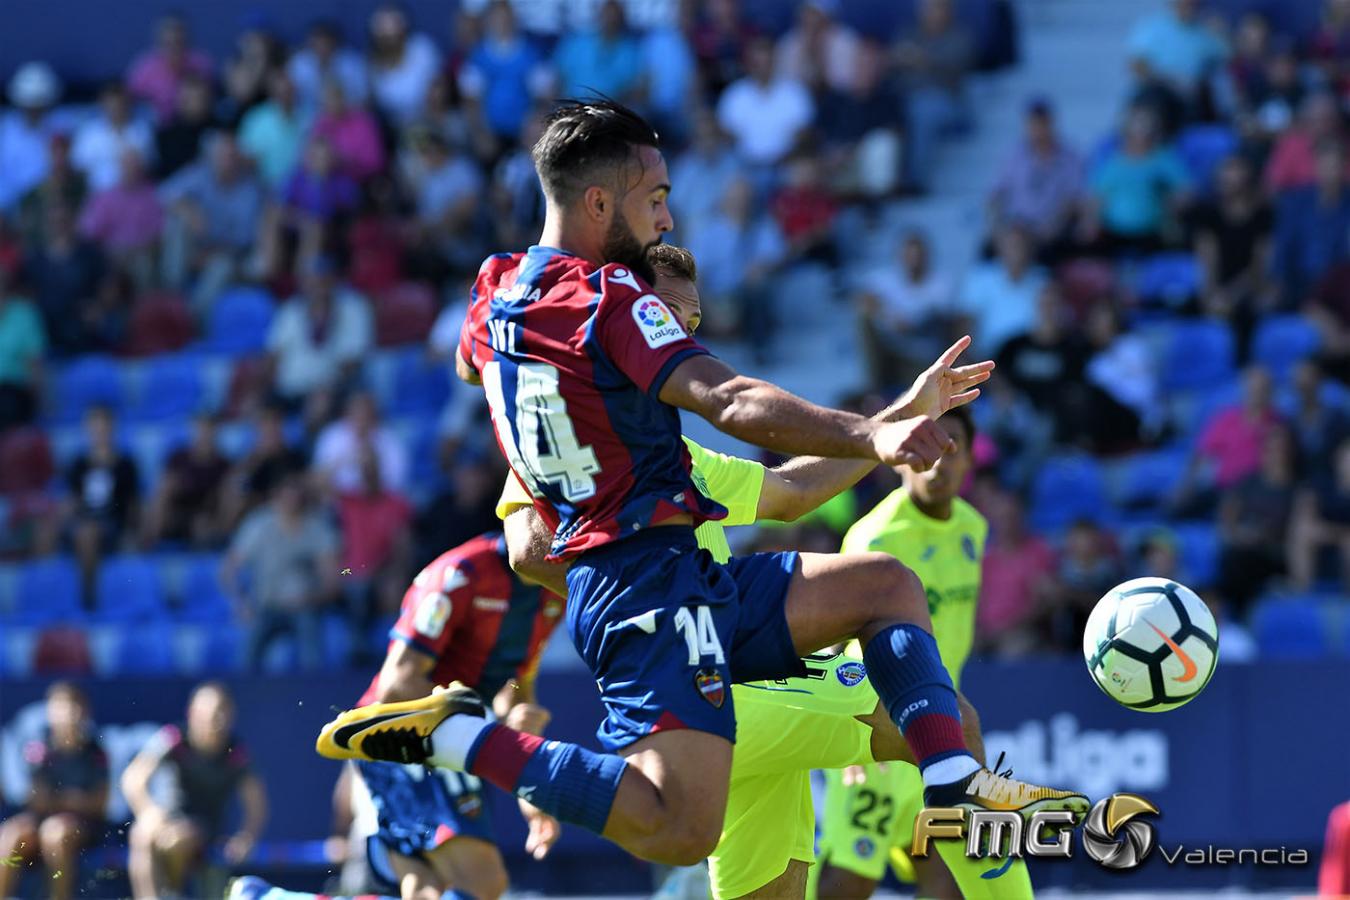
{"type": "Point", "coordinates": [700, 635]}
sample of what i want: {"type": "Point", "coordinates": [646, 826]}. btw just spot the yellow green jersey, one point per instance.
{"type": "Point", "coordinates": [946, 554]}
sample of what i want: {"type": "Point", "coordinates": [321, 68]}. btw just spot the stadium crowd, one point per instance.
{"type": "Point", "coordinates": [276, 247]}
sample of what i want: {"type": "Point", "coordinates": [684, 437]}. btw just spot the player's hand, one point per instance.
{"type": "Point", "coordinates": [945, 385]}
{"type": "Point", "coordinates": [530, 718]}
{"type": "Point", "coordinates": [918, 443]}
{"type": "Point", "coordinates": [238, 847]}
{"type": "Point", "coordinates": [544, 830]}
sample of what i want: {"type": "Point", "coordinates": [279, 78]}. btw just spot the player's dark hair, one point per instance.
{"type": "Point", "coordinates": [674, 261]}
{"type": "Point", "coordinates": [961, 414]}
{"type": "Point", "coordinates": [584, 141]}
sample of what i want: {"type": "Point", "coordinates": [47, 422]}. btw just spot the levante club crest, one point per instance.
{"type": "Point", "coordinates": [710, 684]}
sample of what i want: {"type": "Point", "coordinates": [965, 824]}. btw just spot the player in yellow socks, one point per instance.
{"type": "Point", "coordinates": [870, 811]}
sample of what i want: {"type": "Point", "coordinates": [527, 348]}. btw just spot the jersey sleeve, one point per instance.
{"type": "Point", "coordinates": [733, 482]}
{"type": "Point", "coordinates": [434, 606]}
{"type": "Point", "coordinates": [513, 497]}
{"type": "Point", "coordinates": [638, 332]}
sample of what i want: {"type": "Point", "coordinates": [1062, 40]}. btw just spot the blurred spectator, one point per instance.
{"type": "Point", "coordinates": [805, 211]}
{"type": "Point", "coordinates": [105, 318]}
{"type": "Point", "coordinates": [66, 809]}
{"type": "Point", "coordinates": [934, 60]}
{"type": "Point", "coordinates": [1046, 363]}
{"type": "Point", "coordinates": [1321, 522]}
{"type": "Point", "coordinates": [1232, 241]}
{"type": "Point", "coordinates": [258, 55]}
{"type": "Point", "coordinates": [339, 450]}
{"type": "Point", "coordinates": [63, 185]}
{"type": "Point", "coordinates": [460, 427]}
{"type": "Point", "coordinates": [764, 113]}
{"type": "Point", "coordinates": [378, 239]}
{"type": "Point", "coordinates": [503, 74]}
{"type": "Point", "coordinates": [101, 142]}
{"type": "Point", "coordinates": [1160, 558]}
{"type": "Point", "coordinates": [904, 308]}
{"type": "Point", "coordinates": [670, 75]}
{"type": "Point", "coordinates": [316, 196]}
{"type": "Point", "coordinates": [185, 509]}
{"type": "Point", "coordinates": [819, 51]}
{"type": "Point", "coordinates": [1328, 308]}
{"type": "Point", "coordinates": [1278, 97]}
{"type": "Point", "coordinates": [64, 272]}
{"type": "Point", "coordinates": [268, 462]}
{"type": "Point", "coordinates": [1311, 224]}
{"type": "Point", "coordinates": [23, 343]}
{"type": "Point", "coordinates": [273, 132]}
{"type": "Point", "coordinates": [447, 187]}
{"type": "Point", "coordinates": [208, 768]}
{"type": "Point", "coordinates": [444, 113]}
{"type": "Point", "coordinates": [1240, 86]}
{"type": "Point", "coordinates": [27, 130]}
{"type": "Point", "coordinates": [126, 220]}
{"type": "Point", "coordinates": [352, 133]}
{"type": "Point", "coordinates": [1135, 189]}
{"type": "Point", "coordinates": [516, 199]}
{"type": "Point", "coordinates": [1088, 567]}
{"type": "Point", "coordinates": [858, 126]}
{"type": "Point", "coordinates": [1254, 519]}
{"type": "Point", "coordinates": [214, 208]}
{"type": "Point", "coordinates": [157, 74]}
{"type": "Point", "coordinates": [721, 37]}
{"type": "Point", "coordinates": [290, 554]}
{"type": "Point", "coordinates": [317, 339]}
{"type": "Point", "coordinates": [401, 63]}
{"type": "Point", "coordinates": [1317, 427]}
{"type": "Point", "coordinates": [103, 496]}
{"type": "Point", "coordinates": [1293, 162]}
{"type": "Point", "coordinates": [1123, 404]}
{"type": "Point", "coordinates": [1000, 295]}
{"type": "Point", "coordinates": [1175, 48]}
{"type": "Point", "coordinates": [1018, 579]}
{"type": "Point", "coordinates": [705, 173]}
{"type": "Point", "coordinates": [376, 545]}
{"type": "Point", "coordinates": [603, 61]}
{"type": "Point", "coordinates": [1329, 46]}
{"type": "Point", "coordinates": [1230, 446]}
{"type": "Point", "coordinates": [324, 58]}
{"type": "Point", "coordinates": [1041, 183]}
{"type": "Point", "coordinates": [178, 140]}
{"type": "Point", "coordinates": [738, 249]}
{"type": "Point", "coordinates": [465, 507]}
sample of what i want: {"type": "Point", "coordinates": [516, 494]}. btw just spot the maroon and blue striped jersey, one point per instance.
{"type": "Point", "coordinates": [573, 356]}
{"type": "Point", "coordinates": [470, 613]}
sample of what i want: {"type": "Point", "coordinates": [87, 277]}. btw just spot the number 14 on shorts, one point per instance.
{"type": "Point", "coordinates": [700, 635]}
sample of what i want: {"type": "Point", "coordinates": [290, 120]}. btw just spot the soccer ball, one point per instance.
{"type": "Point", "coordinates": [1151, 644]}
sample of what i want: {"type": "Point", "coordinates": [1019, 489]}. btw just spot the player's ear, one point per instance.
{"type": "Point", "coordinates": [598, 203]}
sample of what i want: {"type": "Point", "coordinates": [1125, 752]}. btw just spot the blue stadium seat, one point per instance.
{"type": "Point", "coordinates": [1283, 341]}
{"type": "Point", "coordinates": [128, 590]}
{"type": "Point", "coordinates": [48, 591]}
{"type": "Point", "coordinates": [1199, 553]}
{"type": "Point", "coordinates": [337, 642]}
{"type": "Point", "coordinates": [1290, 628]}
{"type": "Point", "coordinates": [172, 388]}
{"type": "Point", "coordinates": [223, 654]}
{"type": "Point", "coordinates": [421, 385]}
{"type": "Point", "coordinates": [1069, 488]}
{"type": "Point", "coordinates": [239, 321]}
{"type": "Point", "coordinates": [86, 382]}
{"type": "Point", "coordinates": [1202, 148]}
{"type": "Point", "coordinates": [145, 649]}
{"type": "Point", "coordinates": [203, 599]}
{"type": "Point", "coordinates": [1168, 279]}
{"type": "Point", "coordinates": [1196, 354]}
{"type": "Point", "coordinates": [1147, 479]}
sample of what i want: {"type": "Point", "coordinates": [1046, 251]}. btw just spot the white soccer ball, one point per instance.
{"type": "Point", "coordinates": [1151, 644]}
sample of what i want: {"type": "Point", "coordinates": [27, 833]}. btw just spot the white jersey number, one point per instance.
{"type": "Point", "coordinates": [548, 451]}
{"type": "Point", "coordinates": [700, 635]}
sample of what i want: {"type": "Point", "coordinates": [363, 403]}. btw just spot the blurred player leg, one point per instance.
{"type": "Point", "coordinates": [470, 864]}
{"type": "Point", "coordinates": [18, 843]}
{"type": "Point", "coordinates": [61, 838]}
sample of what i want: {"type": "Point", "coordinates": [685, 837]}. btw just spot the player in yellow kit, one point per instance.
{"type": "Point", "coordinates": [869, 813]}
{"type": "Point", "coordinates": [831, 718]}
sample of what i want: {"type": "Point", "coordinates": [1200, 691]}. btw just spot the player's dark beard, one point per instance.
{"type": "Point", "coordinates": [621, 246]}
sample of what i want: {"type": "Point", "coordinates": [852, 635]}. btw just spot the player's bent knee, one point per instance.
{"type": "Point", "coordinates": [58, 831]}
{"type": "Point", "coordinates": [691, 844]}
{"type": "Point", "coordinates": [894, 589]}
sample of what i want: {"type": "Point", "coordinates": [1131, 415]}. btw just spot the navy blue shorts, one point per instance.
{"type": "Point", "coordinates": [420, 808]}
{"type": "Point", "coordinates": [666, 631]}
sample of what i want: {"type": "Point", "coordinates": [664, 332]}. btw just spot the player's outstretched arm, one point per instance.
{"type": "Point", "coordinates": [799, 485]}
{"type": "Point", "coordinates": [761, 413]}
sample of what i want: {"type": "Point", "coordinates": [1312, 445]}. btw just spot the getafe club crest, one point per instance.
{"type": "Point", "coordinates": [710, 684]}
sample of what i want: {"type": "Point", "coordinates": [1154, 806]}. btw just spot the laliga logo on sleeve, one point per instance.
{"type": "Point", "coordinates": [656, 322]}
